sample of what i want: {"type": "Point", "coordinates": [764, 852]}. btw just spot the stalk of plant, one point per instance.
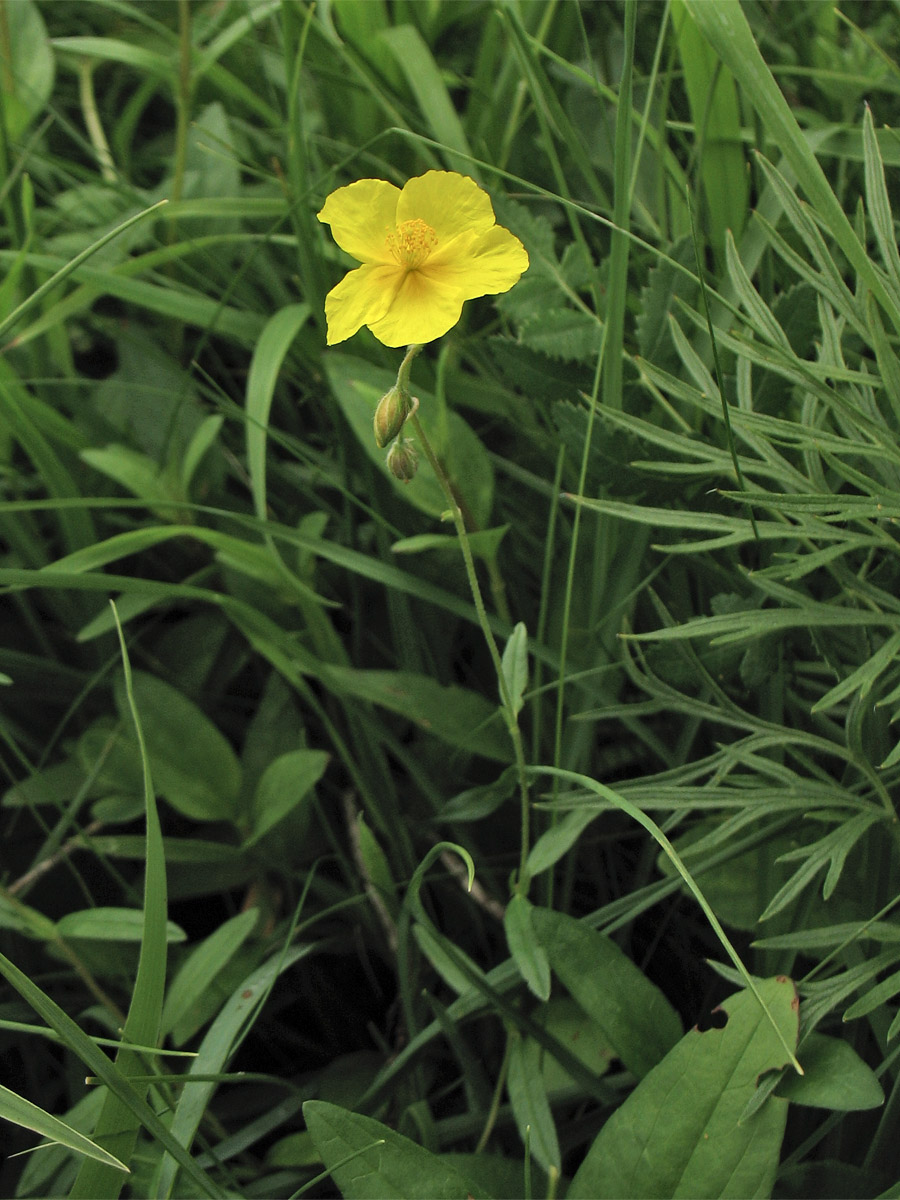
{"type": "Point", "coordinates": [424, 251]}
{"type": "Point", "coordinates": [509, 710]}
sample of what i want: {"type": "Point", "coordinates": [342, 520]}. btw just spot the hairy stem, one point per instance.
{"type": "Point", "coordinates": [512, 721]}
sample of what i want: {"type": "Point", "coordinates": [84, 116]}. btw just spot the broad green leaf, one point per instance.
{"type": "Point", "coordinates": [636, 1019]}
{"type": "Point", "coordinates": [265, 366]}
{"type": "Point", "coordinates": [27, 86]}
{"type": "Point", "coordinates": [515, 665]}
{"type": "Point", "coordinates": [502, 1178]}
{"type": "Point", "coordinates": [194, 766]}
{"type": "Point", "coordinates": [111, 925]}
{"type": "Point", "coordinates": [527, 952]}
{"type": "Point", "coordinates": [528, 1097]}
{"type": "Point", "coordinates": [285, 783]}
{"type": "Point", "coordinates": [22, 1112]}
{"type": "Point", "coordinates": [567, 1021]}
{"type": "Point", "coordinates": [369, 1161]}
{"type": "Point", "coordinates": [677, 1134]}
{"type": "Point", "coordinates": [835, 1077]}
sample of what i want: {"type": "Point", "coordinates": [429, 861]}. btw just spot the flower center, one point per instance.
{"type": "Point", "coordinates": [411, 243]}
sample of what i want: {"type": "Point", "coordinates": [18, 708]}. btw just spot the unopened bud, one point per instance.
{"type": "Point", "coordinates": [393, 409]}
{"type": "Point", "coordinates": [402, 460]}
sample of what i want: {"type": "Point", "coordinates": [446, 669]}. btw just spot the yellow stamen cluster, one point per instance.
{"type": "Point", "coordinates": [412, 242]}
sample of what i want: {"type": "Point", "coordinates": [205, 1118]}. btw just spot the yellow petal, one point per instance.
{"type": "Point", "coordinates": [361, 215]}
{"type": "Point", "coordinates": [424, 308]}
{"type": "Point", "coordinates": [450, 203]}
{"type": "Point", "coordinates": [362, 297]}
{"type": "Point", "coordinates": [481, 266]}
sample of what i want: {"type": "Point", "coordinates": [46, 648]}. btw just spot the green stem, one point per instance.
{"type": "Point", "coordinates": [9, 80]}
{"type": "Point", "coordinates": [512, 720]}
{"type": "Point", "coordinates": [92, 121]}
{"type": "Point", "coordinates": [182, 97]}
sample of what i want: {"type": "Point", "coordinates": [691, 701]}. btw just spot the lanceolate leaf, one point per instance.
{"type": "Point", "coordinates": [638, 1021]}
{"type": "Point", "coordinates": [677, 1134]}
{"type": "Point", "coordinates": [369, 1161]}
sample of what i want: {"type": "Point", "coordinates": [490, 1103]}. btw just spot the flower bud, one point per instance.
{"type": "Point", "coordinates": [393, 409]}
{"type": "Point", "coordinates": [402, 460]}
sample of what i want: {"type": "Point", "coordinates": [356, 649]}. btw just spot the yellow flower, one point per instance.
{"type": "Point", "coordinates": [424, 251]}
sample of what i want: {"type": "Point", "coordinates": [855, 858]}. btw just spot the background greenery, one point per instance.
{"type": "Point", "coordinates": [228, 829]}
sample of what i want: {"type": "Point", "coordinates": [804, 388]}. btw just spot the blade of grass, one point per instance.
{"type": "Point", "coordinates": [727, 30]}
{"type": "Point", "coordinates": [22, 1112]}
{"type": "Point", "coordinates": [672, 854]}
{"type": "Point", "coordinates": [118, 1124]}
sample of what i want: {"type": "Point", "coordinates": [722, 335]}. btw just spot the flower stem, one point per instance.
{"type": "Point", "coordinates": [512, 720]}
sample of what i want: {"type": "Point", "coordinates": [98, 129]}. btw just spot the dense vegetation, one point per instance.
{"type": "Point", "coordinates": [317, 902]}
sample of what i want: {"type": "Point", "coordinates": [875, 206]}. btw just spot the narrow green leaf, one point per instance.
{"type": "Point", "coordinates": [528, 1097]}
{"type": "Point", "coordinates": [863, 678]}
{"type": "Point", "coordinates": [22, 1112]}
{"type": "Point", "coordinates": [515, 665]}
{"type": "Point", "coordinates": [118, 1125]}
{"type": "Point", "coordinates": [874, 998]}
{"type": "Point", "coordinates": [446, 964]}
{"type": "Point", "coordinates": [99, 1064]}
{"type": "Point", "coordinates": [830, 851]}
{"type": "Point", "coordinates": [761, 316]}
{"type": "Point", "coordinates": [201, 966]}
{"type": "Point", "coordinates": [527, 952]}
{"type": "Point", "coordinates": [427, 84]}
{"type": "Point", "coordinates": [219, 1043]}
{"type": "Point", "coordinates": [716, 116]}
{"type": "Point", "coordinates": [878, 203]}
{"type": "Point", "coordinates": [111, 925]}
{"type": "Point", "coordinates": [653, 829]}
{"type": "Point", "coordinates": [65, 271]}
{"type": "Point", "coordinates": [726, 28]}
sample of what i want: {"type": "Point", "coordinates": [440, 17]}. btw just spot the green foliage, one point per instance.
{"type": "Point", "coordinates": [710, 1147]}
{"type": "Point", "coordinates": [351, 860]}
